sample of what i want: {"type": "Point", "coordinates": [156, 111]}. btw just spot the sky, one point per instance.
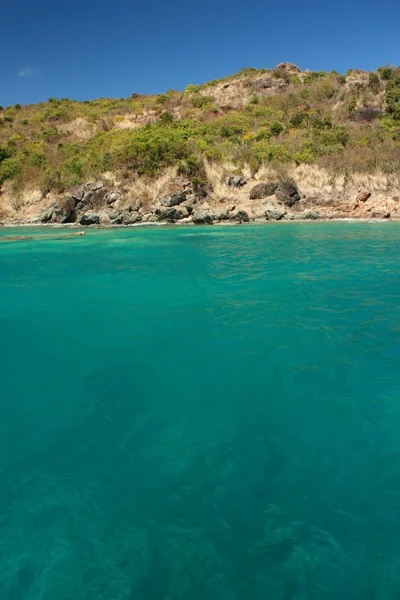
{"type": "Point", "coordinates": [89, 49]}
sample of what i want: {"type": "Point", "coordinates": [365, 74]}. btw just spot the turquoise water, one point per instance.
{"type": "Point", "coordinates": [191, 414]}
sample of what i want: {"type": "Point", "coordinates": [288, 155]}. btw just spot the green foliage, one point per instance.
{"type": "Point", "coordinates": [277, 128]}
{"type": "Point", "coordinates": [9, 168]}
{"type": "Point", "coordinates": [201, 101]}
{"type": "Point", "coordinates": [352, 105]}
{"type": "Point", "coordinates": [43, 144]}
{"type": "Point", "coordinates": [254, 99]}
{"type": "Point", "coordinates": [310, 77]}
{"type": "Point", "coordinates": [299, 118]}
{"type": "Point", "coordinates": [374, 83]}
{"type": "Point", "coordinates": [17, 107]}
{"type": "Point", "coordinates": [393, 97]}
{"type": "Point", "coordinates": [166, 118]}
{"type": "Point", "coordinates": [192, 89]}
{"type": "Point", "coordinates": [386, 72]}
{"type": "Point", "coordinates": [49, 134]}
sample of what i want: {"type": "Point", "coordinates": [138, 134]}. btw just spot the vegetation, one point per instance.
{"type": "Point", "coordinates": [314, 117]}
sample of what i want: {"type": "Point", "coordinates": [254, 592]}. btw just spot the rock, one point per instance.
{"type": "Point", "coordinates": [263, 190]}
{"type": "Point", "coordinates": [264, 84]}
{"type": "Point", "coordinates": [241, 216]}
{"type": "Point", "coordinates": [220, 215]}
{"type": "Point", "coordinates": [171, 214]}
{"type": "Point", "coordinates": [288, 67]}
{"type": "Point", "coordinates": [174, 199]}
{"type": "Point", "coordinates": [90, 218]}
{"type": "Point", "coordinates": [310, 215]}
{"type": "Point", "coordinates": [131, 217]}
{"type": "Point", "coordinates": [94, 196]}
{"type": "Point", "coordinates": [201, 217]}
{"type": "Point", "coordinates": [46, 214]}
{"type": "Point", "coordinates": [77, 193]}
{"type": "Point", "coordinates": [380, 214]}
{"type": "Point", "coordinates": [64, 210]}
{"type": "Point", "coordinates": [235, 181]}
{"type": "Point", "coordinates": [365, 114]}
{"type": "Point", "coordinates": [274, 213]}
{"type": "Point", "coordinates": [175, 193]}
{"type": "Point", "coordinates": [189, 204]}
{"type": "Point", "coordinates": [287, 193]}
{"type": "Point", "coordinates": [363, 196]}
{"type": "Point", "coordinates": [125, 217]}
{"type": "Point", "coordinates": [112, 197]}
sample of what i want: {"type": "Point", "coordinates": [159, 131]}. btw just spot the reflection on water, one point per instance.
{"type": "Point", "coordinates": [209, 413]}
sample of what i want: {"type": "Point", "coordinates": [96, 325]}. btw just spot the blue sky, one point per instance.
{"type": "Point", "coordinates": [87, 49]}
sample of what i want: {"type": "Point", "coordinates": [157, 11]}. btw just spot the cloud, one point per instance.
{"type": "Point", "coordinates": [28, 72]}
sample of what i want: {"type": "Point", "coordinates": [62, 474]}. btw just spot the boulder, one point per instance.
{"type": "Point", "coordinates": [288, 67]}
{"type": "Point", "coordinates": [131, 217]}
{"type": "Point", "coordinates": [310, 215]}
{"type": "Point", "coordinates": [46, 214]}
{"type": "Point", "coordinates": [175, 193]}
{"type": "Point", "coordinates": [171, 214]}
{"type": "Point", "coordinates": [287, 193]}
{"type": "Point", "coordinates": [94, 196]}
{"type": "Point", "coordinates": [220, 215]}
{"type": "Point", "coordinates": [90, 218]}
{"type": "Point", "coordinates": [64, 210]}
{"type": "Point", "coordinates": [274, 213]}
{"type": "Point", "coordinates": [362, 196]}
{"type": "Point", "coordinates": [241, 216]}
{"type": "Point", "coordinates": [112, 197]}
{"type": "Point", "coordinates": [235, 181]}
{"type": "Point", "coordinates": [201, 217]}
{"type": "Point", "coordinates": [263, 190]}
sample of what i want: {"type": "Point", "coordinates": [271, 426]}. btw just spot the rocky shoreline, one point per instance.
{"type": "Point", "coordinates": [181, 202]}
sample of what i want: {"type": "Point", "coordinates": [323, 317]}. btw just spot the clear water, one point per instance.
{"type": "Point", "coordinates": [201, 414]}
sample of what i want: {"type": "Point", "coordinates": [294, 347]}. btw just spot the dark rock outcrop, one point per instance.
{"type": "Point", "coordinates": [263, 190]}
{"type": "Point", "coordinates": [310, 215]}
{"type": "Point", "coordinates": [235, 181]}
{"type": "Point", "coordinates": [363, 196]}
{"type": "Point", "coordinates": [90, 218]}
{"type": "Point", "coordinates": [62, 211]}
{"type": "Point", "coordinates": [202, 217]}
{"type": "Point", "coordinates": [241, 216]}
{"type": "Point", "coordinates": [288, 67]}
{"type": "Point", "coordinates": [287, 193]}
{"type": "Point", "coordinates": [274, 213]}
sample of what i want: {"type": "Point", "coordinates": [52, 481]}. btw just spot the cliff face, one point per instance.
{"type": "Point", "coordinates": [201, 155]}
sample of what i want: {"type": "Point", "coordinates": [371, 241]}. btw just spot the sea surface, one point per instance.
{"type": "Point", "coordinates": [201, 413]}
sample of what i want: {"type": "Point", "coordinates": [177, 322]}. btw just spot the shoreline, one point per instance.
{"type": "Point", "coordinates": [77, 226]}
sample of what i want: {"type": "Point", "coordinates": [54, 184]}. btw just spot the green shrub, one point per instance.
{"type": "Point", "coordinates": [166, 118]}
{"type": "Point", "coordinates": [386, 72]}
{"type": "Point", "coordinates": [254, 99]}
{"type": "Point", "coordinates": [276, 128]}
{"type": "Point", "coordinates": [49, 134]}
{"type": "Point", "coordinates": [17, 107]}
{"type": "Point", "coordinates": [310, 77]}
{"type": "Point", "coordinates": [192, 89]}
{"type": "Point", "coordinates": [298, 118]}
{"type": "Point", "coordinates": [374, 83]}
{"type": "Point", "coordinates": [9, 168]}
{"type": "Point", "coordinates": [201, 101]}
{"type": "Point", "coordinates": [161, 99]}
{"type": "Point", "coordinates": [352, 106]}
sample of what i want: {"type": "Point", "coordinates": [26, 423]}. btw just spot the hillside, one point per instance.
{"type": "Point", "coordinates": [322, 144]}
